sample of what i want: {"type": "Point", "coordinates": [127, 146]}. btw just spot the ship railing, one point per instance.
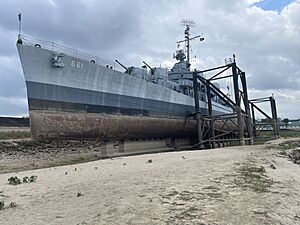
{"type": "Point", "coordinates": [57, 48]}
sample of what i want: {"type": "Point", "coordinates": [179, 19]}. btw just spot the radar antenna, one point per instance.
{"type": "Point", "coordinates": [188, 24]}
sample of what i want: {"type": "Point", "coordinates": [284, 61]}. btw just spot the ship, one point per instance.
{"type": "Point", "coordinates": [74, 95]}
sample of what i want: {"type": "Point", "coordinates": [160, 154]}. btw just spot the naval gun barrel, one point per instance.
{"type": "Point", "coordinates": [152, 70]}
{"type": "Point", "coordinates": [122, 66]}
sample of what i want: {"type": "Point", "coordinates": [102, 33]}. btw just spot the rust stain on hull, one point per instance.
{"type": "Point", "coordinates": [69, 125]}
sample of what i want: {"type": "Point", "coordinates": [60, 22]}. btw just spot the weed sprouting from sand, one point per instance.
{"type": "Point", "coordinates": [1, 205]}
{"type": "Point", "coordinates": [25, 179]}
{"type": "Point", "coordinates": [13, 205]}
{"type": "Point", "coordinates": [16, 180]}
{"type": "Point", "coordinates": [32, 178]}
{"type": "Point", "coordinates": [254, 178]}
{"type": "Point", "coordinates": [288, 145]}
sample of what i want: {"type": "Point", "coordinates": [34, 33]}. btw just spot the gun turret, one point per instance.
{"type": "Point", "coordinates": [152, 70]}
{"type": "Point", "coordinates": [127, 70]}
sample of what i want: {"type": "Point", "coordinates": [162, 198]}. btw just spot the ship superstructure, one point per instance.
{"type": "Point", "coordinates": [74, 95]}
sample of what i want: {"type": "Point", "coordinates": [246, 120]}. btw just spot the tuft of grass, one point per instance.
{"type": "Point", "coordinates": [14, 180]}
{"type": "Point", "coordinates": [32, 178]}
{"type": "Point", "coordinates": [266, 136]}
{"type": "Point", "coordinates": [263, 137]}
{"type": "Point", "coordinates": [1, 205]}
{"type": "Point", "coordinates": [4, 135]}
{"type": "Point", "coordinates": [254, 178]}
{"type": "Point", "coordinates": [25, 179]}
{"type": "Point", "coordinates": [289, 133]}
{"type": "Point", "coordinates": [78, 159]}
{"type": "Point", "coordinates": [13, 205]}
{"type": "Point", "coordinates": [288, 145]}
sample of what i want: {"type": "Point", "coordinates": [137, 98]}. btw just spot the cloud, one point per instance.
{"type": "Point", "coordinates": [266, 43]}
{"type": "Point", "coordinates": [13, 106]}
{"type": "Point", "coordinates": [287, 101]}
{"type": "Point", "coordinates": [12, 81]}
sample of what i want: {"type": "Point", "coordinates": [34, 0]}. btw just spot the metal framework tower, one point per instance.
{"type": "Point", "coordinates": [241, 122]}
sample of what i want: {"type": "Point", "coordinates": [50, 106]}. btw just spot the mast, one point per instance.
{"type": "Point", "coordinates": [188, 24]}
{"type": "Point", "coordinates": [187, 41]}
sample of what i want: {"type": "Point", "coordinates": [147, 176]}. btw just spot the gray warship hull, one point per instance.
{"type": "Point", "coordinates": [84, 99]}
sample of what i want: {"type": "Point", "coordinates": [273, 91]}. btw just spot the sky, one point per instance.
{"type": "Point", "coordinates": [264, 36]}
{"type": "Point", "coordinates": [273, 5]}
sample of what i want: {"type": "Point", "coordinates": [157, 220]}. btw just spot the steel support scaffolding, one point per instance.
{"type": "Point", "coordinates": [197, 110]}
{"type": "Point", "coordinates": [240, 125]}
{"type": "Point", "coordinates": [271, 122]}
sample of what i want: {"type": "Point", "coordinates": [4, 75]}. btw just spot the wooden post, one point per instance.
{"type": "Point", "coordinates": [210, 112]}
{"type": "Point", "coordinates": [253, 120]}
{"type": "Point", "coordinates": [274, 117]}
{"type": "Point", "coordinates": [238, 104]}
{"type": "Point", "coordinates": [247, 108]}
{"type": "Point", "coordinates": [197, 109]}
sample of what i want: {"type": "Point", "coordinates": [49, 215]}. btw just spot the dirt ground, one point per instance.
{"type": "Point", "coordinates": [234, 185]}
{"type": "Point", "coordinates": [20, 155]}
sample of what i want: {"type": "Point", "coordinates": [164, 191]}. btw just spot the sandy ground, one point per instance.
{"type": "Point", "coordinates": [190, 187]}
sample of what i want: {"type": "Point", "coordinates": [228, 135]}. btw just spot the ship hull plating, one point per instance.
{"type": "Point", "coordinates": [80, 99]}
{"type": "Point", "coordinates": [106, 127]}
